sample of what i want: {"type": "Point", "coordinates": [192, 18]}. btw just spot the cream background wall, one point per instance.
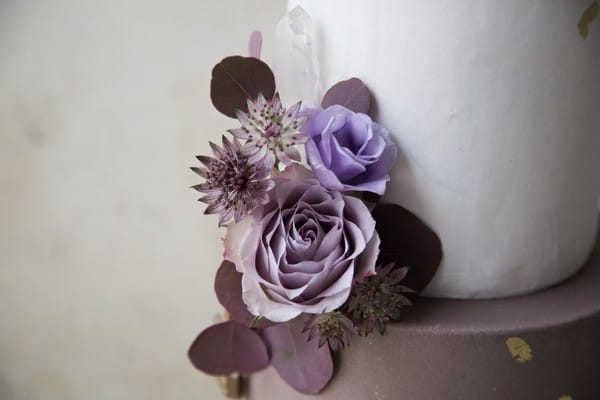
{"type": "Point", "coordinates": [106, 261]}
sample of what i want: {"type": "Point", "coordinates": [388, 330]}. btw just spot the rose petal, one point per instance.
{"type": "Point", "coordinates": [372, 149]}
{"type": "Point", "coordinates": [295, 172]}
{"type": "Point", "coordinates": [354, 137]}
{"type": "Point", "coordinates": [326, 138]}
{"type": "Point", "coordinates": [369, 184]}
{"type": "Point", "coordinates": [325, 176]}
{"type": "Point", "coordinates": [358, 212]}
{"type": "Point", "coordinates": [260, 304]}
{"type": "Point", "coordinates": [331, 240]}
{"type": "Point", "coordinates": [312, 194]}
{"type": "Point", "coordinates": [295, 280]}
{"type": "Point", "coordinates": [365, 263]}
{"type": "Point", "coordinates": [388, 156]}
{"type": "Point", "coordinates": [322, 119]}
{"type": "Point", "coordinates": [324, 287]}
{"type": "Point", "coordinates": [233, 239]}
{"type": "Point", "coordinates": [311, 126]}
{"type": "Point", "coordinates": [345, 164]}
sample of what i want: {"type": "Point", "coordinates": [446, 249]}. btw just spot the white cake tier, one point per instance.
{"type": "Point", "coordinates": [495, 107]}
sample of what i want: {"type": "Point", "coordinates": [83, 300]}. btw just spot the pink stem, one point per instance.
{"type": "Point", "coordinates": [255, 44]}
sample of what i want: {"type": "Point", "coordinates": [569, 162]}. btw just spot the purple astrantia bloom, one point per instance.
{"type": "Point", "coordinates": [233, 187]}
{"type": "Point", "coordinates": [302, 251]}
{"type": "Point", "coordinates": [269, 127]}
{"type": "Point", "coordinates": [333, 328]}
{"type": "Point", "coordinates": [347, 150]}
{"type": "Point", "coordinates": [379, 299]}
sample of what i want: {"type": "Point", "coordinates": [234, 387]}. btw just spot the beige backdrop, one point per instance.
{"type": "Point", "coordinates": [106, 260]}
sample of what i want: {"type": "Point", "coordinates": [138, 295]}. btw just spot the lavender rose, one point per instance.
{"type": "Point", "coordinates": [299, 253]}
{"type": "Point", "coordinates": [347, 150]}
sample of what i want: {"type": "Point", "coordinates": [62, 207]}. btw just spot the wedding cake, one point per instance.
{"type": "Point", "coordinates": [494, 107]}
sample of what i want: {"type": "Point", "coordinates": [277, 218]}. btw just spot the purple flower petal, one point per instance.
{"type": "Point", "coordinates": [348, 151]}
{"type": "Point", "coordinates": [334, 117]}
{"type": "Point", "coordinates": [309, 127]}
{"type": "Point", "coordinates": [260, 304]}
{"type": "Point", "coordinates": [330, 242]}
{"type": "Point", "coordinates": [375, 185]}
{"type": "Point", "coordinates": [347, 164]}
{"type": "Point", "coordinates": [295, 172]}
{"type": "Point", "coordinates": [366, 262]}
{"type": "Point", "coordinates": [300, 254]}
{"type": "Point", "coordinates": [330, 284]}
{"type": "Point", "coordinates": [326, 176]}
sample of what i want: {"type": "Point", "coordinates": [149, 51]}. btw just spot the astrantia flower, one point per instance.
{"type": "Point", "coordinates": [332, 327]}
{"type": "Point", "coordinates": [379, 299]}
{"type": "Point", "coordinates": [269, 127]}
{"type": "Point", "coordinates": [234, 187]}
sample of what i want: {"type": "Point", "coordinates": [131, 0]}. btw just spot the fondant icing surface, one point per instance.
{"type": "Point", "coordinates": [539, 346]}
{"type": "Point", "coordinates": [494, 106]}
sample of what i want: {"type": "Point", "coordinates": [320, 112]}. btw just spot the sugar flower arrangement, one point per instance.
{"type": "Point", "coordinates": [311, 257]}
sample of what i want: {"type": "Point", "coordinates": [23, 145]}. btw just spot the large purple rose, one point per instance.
{"type": "Point", "coordinates": [301, 252]}
{"type": "Point", "coordinates": [347, 150]}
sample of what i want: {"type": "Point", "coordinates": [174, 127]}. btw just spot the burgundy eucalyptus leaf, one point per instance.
{"type": "Point", "coordinates": [301, 363]}
{"type": "Point", "coordinates": [255, 44]}
{"type": "Point", "coordinates": [228, 348]}
{"type": "Point", "coordinates": [371, 199]}
{"type": "Point", "coordinates": [236, 79]}
{"type": "Point", "coordinates": [228, 287]}
{"type": "Point", "coordinates": [352, 94]}
{"type": "Point", "coordinates": [407, 241]}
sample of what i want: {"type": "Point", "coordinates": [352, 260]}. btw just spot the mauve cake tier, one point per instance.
{"type": "Point", "coordinates": [539, 346]}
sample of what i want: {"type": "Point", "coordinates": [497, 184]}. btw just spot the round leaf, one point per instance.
{"type": "Point", "coordinates": [301, 363]}
{"type": "Point", "coordinates": [407, 241]}
{"type": "Point", "coordinates": [228, 348]}
{"type": "Point", "coordinates": [236, 79]}
{"type": "Point", "coordinates": [228, 287]}
{"type": "Point", "coordinates": [352, 94]}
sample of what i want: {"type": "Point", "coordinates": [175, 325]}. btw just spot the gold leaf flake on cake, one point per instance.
{"type": "Point", "coordinates": [519, 349]}
{"type": "Point", "coordinates": [587, 17]}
